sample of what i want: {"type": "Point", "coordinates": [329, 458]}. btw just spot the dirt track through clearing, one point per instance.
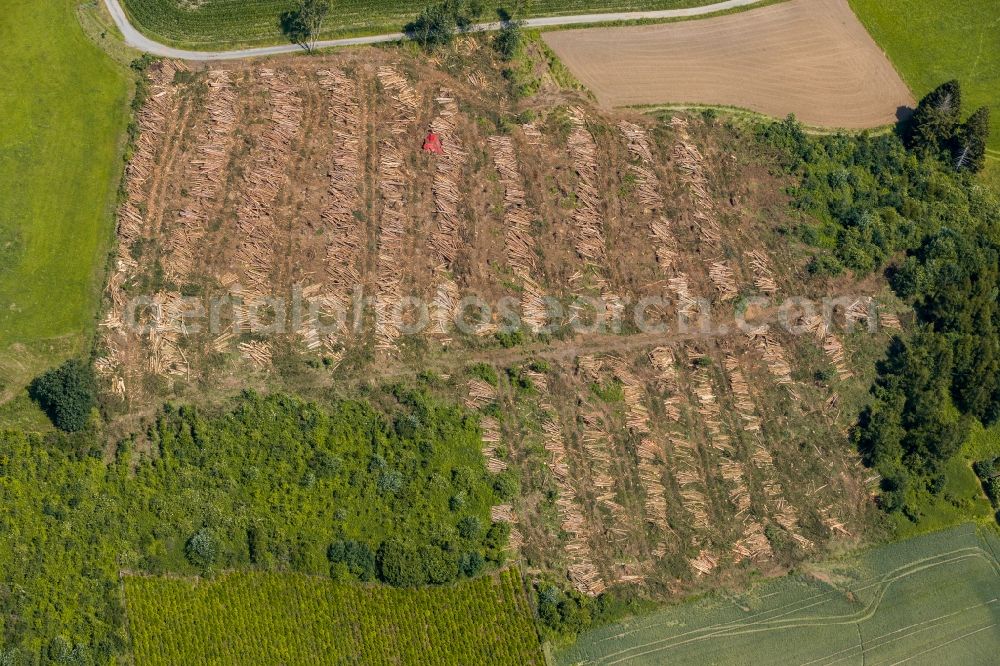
{"type": "Point", "coordinates": [812, 58]}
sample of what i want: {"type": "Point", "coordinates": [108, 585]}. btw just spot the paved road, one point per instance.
{"type": "Point", "coordinates": [138, 40]}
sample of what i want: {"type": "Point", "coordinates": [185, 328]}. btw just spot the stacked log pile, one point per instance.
{"type": "Point", "coordinates": [165, 354]}
{"type": "Point", "coordinates": [598, 444]}
{"type": "Point", "coordinates": [447, 172]}
{"type": "Point", "coordinates": [444, 240]}
{"type": "Point", "coordinates": [491, 440]}
{"type": "Point", "coordinates": [582, 571]}
{"type": "Point", "coordinates": [686, 305]}
{"type": "Point", "coordinates": [753, 544]}
{"type": "Point", "coordinates": [117, 364]}
{"type": "Point", "coordinates": [773, 353]}
{"type": "Point", "coordinates": [662, 359]}
{"type": "Point", "coordinates": [518, 240]}
{"type": "Point", "coordinates": [532, 134]}
{"type": "Point", "coordinates": [763, 276]}
{"type": "Point", "coordinates": [692, 166]}
{"type": "Point", "coordinates": [649, 453]}
{"type": "Point", "coordinates": [859, 311]}
{"type": "Point", "coordinates": [689, 472]}
{"type": "Point", "coordinates": [213, 146]}
{"type": "Point", "coordinates": [588, 227]}
{"type": "Point", "coordinates": [708, 405]}
{"type": "Point", "coordinates": [394, 218]}
{"type": "Point", "coordinates": [480, 394]}
{"type": "Point", "coordinates": [722, 277]}
{"type": "Point", "coordinates": [832, 346]}
{"type": "Point", "coordinates": [262, 182]}
{"type": "Point", "coordinates": [785, 513]}
{"type": "Point", "coordinates": [648, 194]}
{"type": "Point", "coordinates": [347, 240]}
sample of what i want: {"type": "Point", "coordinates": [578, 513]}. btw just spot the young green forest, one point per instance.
{"type": "Point", "coordinates": [399, 495]}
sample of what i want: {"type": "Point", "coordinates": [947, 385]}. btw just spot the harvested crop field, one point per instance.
{"type": "Point", "coordinates": [294, 211]}
{"type": "Point", "coordinates": [812, 58]}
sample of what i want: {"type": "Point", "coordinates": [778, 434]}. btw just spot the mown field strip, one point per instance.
{"type": "Point", "coordinates": [911, 608]}
{"type": "Point", "coordinates": [61, 124]}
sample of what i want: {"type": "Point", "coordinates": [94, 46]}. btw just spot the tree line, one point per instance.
{"type": "Point", "coordinates": [908, 204]}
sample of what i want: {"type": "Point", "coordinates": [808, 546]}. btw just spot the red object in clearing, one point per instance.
{"type": "Point", "coordinates": [433, 143]}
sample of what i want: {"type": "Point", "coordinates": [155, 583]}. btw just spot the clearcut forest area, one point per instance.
{"type": "Point", "coordinates": [217, 23]}
{"type": "Point", "coordinates": [420, 354]}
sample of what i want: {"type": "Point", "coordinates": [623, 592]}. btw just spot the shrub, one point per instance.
{"type": "Point", "coordinates": [507, 41]}
{"type": "Point", "coordinates": [201, 549]}
{"type": "Point", "coordinates": [355, 556]}
{"type": "Point", "coordinates": [469, 527]}
{"type": "Point", "coordinates": [470, 564]}
{"type": "Point", "coordinates": [67, 394]}
{"type": "Point", "coordinates": [399, 564]}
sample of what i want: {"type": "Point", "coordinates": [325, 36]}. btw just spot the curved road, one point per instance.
{"type": "Point", "coordinates": [137, 40]}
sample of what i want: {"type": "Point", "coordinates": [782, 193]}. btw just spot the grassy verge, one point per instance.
{"type": "Point", "coordinates": [931, 42]}
{"type": "Point", "coordinates": [63, 107]}
{"type": "Point", "coordinates": [221, 24]}
{"type": "Point", "coordinates": [317, 621]}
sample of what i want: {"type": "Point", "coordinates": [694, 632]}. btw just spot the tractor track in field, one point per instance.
{"type": "Point", "coordinates": [136, 39]}
{"type": "Point", "coordinates": [739, 627]}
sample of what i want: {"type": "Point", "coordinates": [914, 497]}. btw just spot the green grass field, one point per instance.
{"type": "Point", "coordinates": [931, 42]}
{"type": "Point", "coordinates": [931, 599]}
{"type": "Point", "coordinates": [62, 114]}
{"type": "Point", "coordinates": [267, 618]}
{"type": "Point", "coordinates": [218, 23]}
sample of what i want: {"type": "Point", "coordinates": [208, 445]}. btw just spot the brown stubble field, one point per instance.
{"type": "Point", "coordinates": [650, 459]}
{"type": "Point", "coordinates": [812, 58]}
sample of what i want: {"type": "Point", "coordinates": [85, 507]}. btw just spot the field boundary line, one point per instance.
{"type": "Point", "coordinates": [138, 40]}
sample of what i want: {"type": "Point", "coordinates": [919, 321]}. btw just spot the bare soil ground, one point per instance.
{"type": "Point", "coordinates": [645, 458]}
{"type": "Point", "coordinates": [812, 58]}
